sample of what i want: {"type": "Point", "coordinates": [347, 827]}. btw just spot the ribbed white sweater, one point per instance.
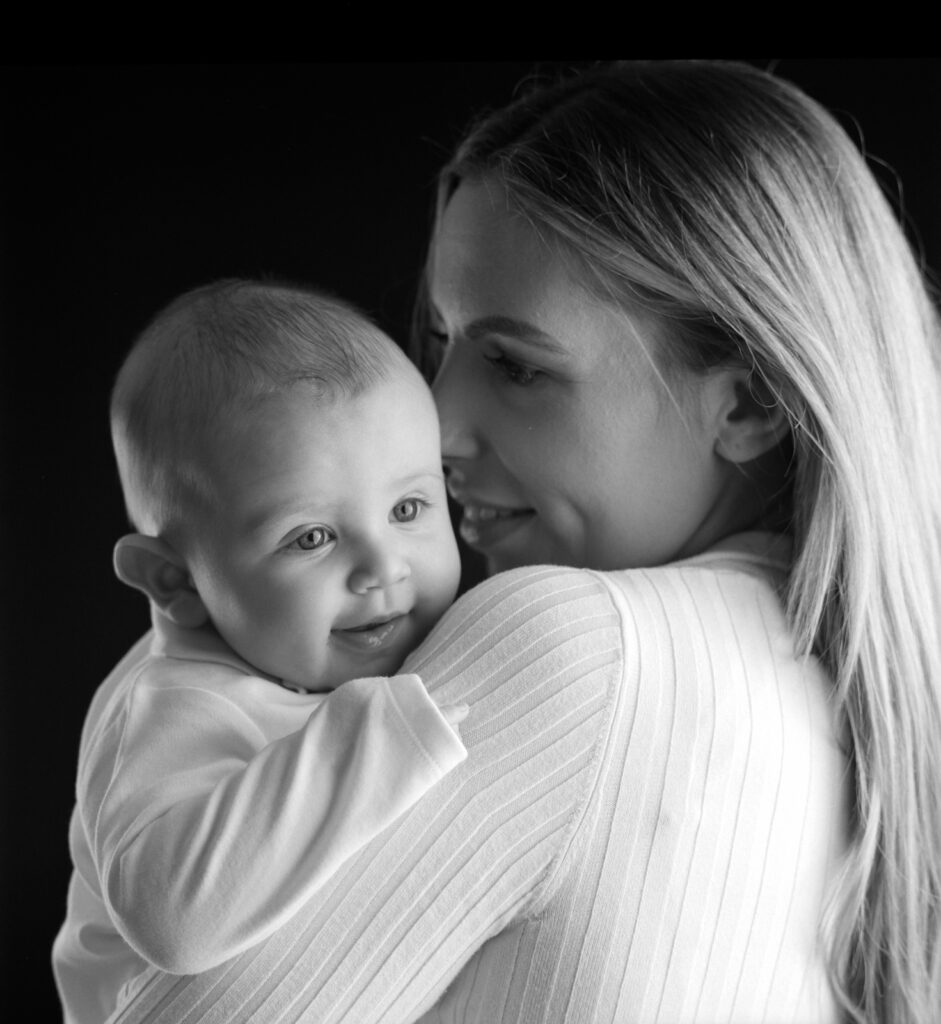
{"type": "Point", "coordinates": [645, 828]}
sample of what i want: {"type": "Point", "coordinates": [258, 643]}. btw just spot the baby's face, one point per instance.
{"type": "Point", "coordinates": [331, 553]}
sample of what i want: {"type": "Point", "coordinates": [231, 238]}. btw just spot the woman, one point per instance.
{"type": "Point", "coordinates": [688, 359]}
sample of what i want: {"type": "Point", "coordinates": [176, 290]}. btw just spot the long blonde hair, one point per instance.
{"type": "Point", "coordinates": [732, 204]}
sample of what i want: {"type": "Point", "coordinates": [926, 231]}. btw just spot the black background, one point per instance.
{"type": "Point", "coordinates": [122, 185]}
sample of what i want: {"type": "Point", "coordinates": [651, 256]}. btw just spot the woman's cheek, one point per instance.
{"type": "Point", "coordinates": [536, 437]}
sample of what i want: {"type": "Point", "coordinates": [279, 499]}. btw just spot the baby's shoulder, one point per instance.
{"type": "Point", "coordinates": [153, 675]}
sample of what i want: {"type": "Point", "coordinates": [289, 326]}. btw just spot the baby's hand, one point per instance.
{"type": "Point", "coordinates": [454, 713]}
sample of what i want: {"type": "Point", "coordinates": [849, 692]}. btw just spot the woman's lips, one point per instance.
{"type": "Point", "coordinates": [483, 526]}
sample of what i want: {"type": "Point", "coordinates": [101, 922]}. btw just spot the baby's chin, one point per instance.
{"type": "Point", "coordinates": [331, 682]}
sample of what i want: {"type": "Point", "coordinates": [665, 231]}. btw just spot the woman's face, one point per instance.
{"type": "Point", "coordinates": [560, 439]}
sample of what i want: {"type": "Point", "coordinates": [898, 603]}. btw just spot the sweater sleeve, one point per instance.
{"type": "Point", "coordinates": [536, 655]}
{"type": "Point", "coordinates": [208, 832]}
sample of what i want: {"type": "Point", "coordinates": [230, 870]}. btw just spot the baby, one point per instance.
{"type": "Point", "coordinates": [280, 460]}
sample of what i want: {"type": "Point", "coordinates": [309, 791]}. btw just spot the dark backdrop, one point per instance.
{"type": "Point", "coordinates": [122, 185]}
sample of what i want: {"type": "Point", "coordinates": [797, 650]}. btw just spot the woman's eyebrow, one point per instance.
{"type": "Point", "coordinates": [510, 327]}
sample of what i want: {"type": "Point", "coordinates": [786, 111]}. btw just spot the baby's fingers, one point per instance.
{"type": "Point", "coordinates": [455, 713]}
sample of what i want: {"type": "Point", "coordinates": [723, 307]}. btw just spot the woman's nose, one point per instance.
{"type": "Point", "coordinates": [378, 565]}
{"type": "Point", "coordinates": [456, 410]}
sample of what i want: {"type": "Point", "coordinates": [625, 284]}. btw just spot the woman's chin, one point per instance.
{"type": "Point", "coordinates": [502, 558]}
{"type": "Point", "coordinates": [497, 564]}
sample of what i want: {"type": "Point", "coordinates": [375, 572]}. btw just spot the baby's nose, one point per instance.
{"type": "Point", "coordinates": [378, 566]}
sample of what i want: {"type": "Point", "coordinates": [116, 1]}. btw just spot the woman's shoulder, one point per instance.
{"type": "Point", "coordinates": [538, 600]}
{"type": "Point", "coordinates": [735, 587]}
{"type": "Point", "coordinates": [559, 621]}
{"type": "Point", "coordinates": [762, 557]}
{"type": "Point", "coordinates": [551, 585]}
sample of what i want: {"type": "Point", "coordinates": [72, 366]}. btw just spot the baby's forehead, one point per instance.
{"type": "Point", "coordinates": [262, 408]}
{"type": "Point", "coordinates": [306, 412]}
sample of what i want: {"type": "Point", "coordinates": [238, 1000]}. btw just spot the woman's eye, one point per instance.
{"type": "Point", "coordinates": [315, 537]}
{"type": "Point", "coordinates": [433, 349]}
{"type": "Point", "coordinates": [514, 372]}
{"type": "Point", "coordinates": [407, 510]}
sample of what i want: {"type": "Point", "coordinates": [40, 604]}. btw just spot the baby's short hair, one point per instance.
{"type": "Point", "coordinates": [217, 349]}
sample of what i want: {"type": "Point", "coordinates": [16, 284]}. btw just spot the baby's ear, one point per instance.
{"type": "Point", "coordinates": [151, 565]}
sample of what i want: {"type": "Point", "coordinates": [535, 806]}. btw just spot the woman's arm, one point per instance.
{"type": "Point", "coordinates": [536, 654]}
{"type": "Point", "coordinates": [210, 825]}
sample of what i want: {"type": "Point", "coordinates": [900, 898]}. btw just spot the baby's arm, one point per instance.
{"type": "Point", "coordinates": [208, 831]}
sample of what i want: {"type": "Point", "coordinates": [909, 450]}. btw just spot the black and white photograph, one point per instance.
{"type": "Point", "coordinates": [472, 541]}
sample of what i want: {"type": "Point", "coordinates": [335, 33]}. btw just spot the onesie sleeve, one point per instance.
{"type": "Point", "coordinates": [208, 833]}
{"type": "Point", "coordinates": [536, 655]}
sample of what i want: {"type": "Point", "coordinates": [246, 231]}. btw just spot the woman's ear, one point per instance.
{"type": "Point", "coordinates": [750, 421]}
{"type": "Point", "coordinates": [151, 565]}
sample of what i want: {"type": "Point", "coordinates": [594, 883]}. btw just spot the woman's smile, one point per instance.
{"type": "Point", "coordinates": [483, 526]}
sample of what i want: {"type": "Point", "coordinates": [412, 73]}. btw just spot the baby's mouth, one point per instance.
{"type": "Point", "coordinates": [373, 634]}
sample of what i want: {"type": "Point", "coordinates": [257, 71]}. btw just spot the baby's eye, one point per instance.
{"type": "Point", "coordinates": [315, 537]}
{"type": "Point", "coordinates": [407, 510]}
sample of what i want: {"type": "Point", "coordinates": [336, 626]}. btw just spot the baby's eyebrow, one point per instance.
{"type": "Point", "coordinates": [413, 478]}
{"type": "Point", "coordinates": [261, 518]}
